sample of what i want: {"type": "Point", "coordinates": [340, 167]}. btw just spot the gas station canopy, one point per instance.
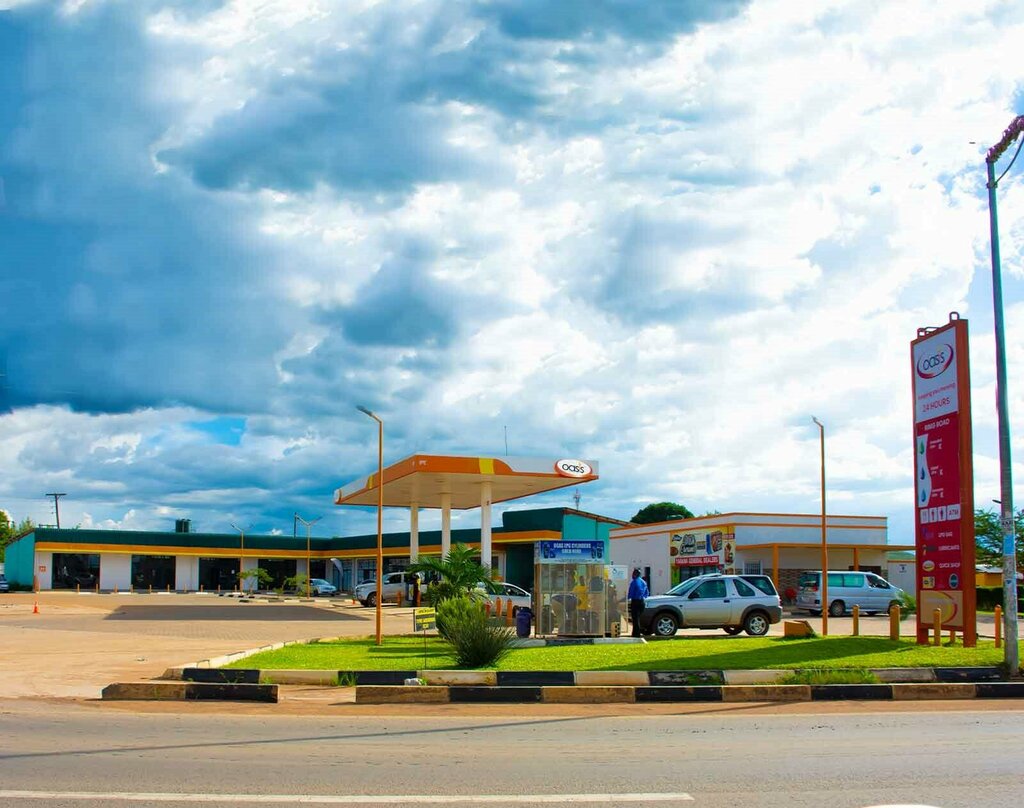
{"type": "Point", "coordinates": [439, 481]}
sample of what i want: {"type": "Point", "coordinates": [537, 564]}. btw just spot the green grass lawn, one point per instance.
{"type": "Point", "coordinates": [684, 653]}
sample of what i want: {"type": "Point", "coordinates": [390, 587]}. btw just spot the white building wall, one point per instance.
{"type": "Point", "coordinates": [645, 551]}
{"type": "Point", "coordinates": [115, 571]}
{"type": "Point", "coordinates": [249, 564]}
{"type": "Point", "coordinates": [903, 575]}
{"type": "Point", "coordinates": [43, 570]}
{"type": "Point", "coordinates": [186, 573]}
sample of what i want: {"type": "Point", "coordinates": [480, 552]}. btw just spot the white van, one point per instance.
{"type": "Point", "coordinates": [870, 592]}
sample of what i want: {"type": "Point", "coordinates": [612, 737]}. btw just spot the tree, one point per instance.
{"type": "Point", "coordinates": [9, 529]}
{"type": "Point", "coordinates": [261, 576]}
{"type": "Point", "coordinates": [988, 538]}
{"type": "Point", "coordinates": [661, 512]}
{"type": "Point", "coordinates": [459, 573]}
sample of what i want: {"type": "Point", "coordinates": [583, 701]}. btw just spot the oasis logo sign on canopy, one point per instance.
{"type": "Point", "coordinates": [573, 468]}
{"type": "Point", "coordinates": [935, 364]}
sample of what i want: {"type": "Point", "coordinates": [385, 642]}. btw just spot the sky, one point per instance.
{"type": "Point", "coordinates": [661, 236]}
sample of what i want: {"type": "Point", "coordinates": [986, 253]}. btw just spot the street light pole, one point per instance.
{"type": "Point", "coordinates": [241, 556]}
{"type": "Point", "coordinates": [1010, 652]}
{"type": "Point", "coordinates": [380, 513]}
{"type": "Point", "coordinates": [824, 544]}
{"type": "Point", "coordinates": [309, 524]}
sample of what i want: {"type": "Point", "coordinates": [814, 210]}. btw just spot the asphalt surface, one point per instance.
{"type": "Point", "coordinates": [67, 754]}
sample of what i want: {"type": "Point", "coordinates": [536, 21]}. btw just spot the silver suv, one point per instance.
{"type": "Point", "coordinates": [732, 602]}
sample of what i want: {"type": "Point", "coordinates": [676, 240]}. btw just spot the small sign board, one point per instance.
{"type": "Point", "coordinates": [424, 619]}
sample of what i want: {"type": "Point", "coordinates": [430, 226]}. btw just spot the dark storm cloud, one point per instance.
{"type": "Point", "coordinates": [639, 275]}
{"type": "Point", "coordinates": [118, 282]}
{"type": "Point", "coordinates": [640, 21]}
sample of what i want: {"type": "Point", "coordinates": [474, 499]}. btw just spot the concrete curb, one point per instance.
{"type": "Point", "coordinates": [625, 694]}
{"type": "Point", "coordinates": [188, 691]}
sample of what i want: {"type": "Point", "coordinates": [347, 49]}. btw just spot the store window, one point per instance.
{"type": "Point", "coordinates": [152, 571]}
{"type": "Point", "coordinates": [751, 567]}
{"type": "Point", "coordinates": [71, 570]}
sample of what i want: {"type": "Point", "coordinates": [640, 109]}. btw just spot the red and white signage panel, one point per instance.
{"type": "Point", "coordinates": [943, 480]}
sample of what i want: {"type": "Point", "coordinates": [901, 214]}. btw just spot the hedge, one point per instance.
{"type": "Point", "coordinates": [991, 596]}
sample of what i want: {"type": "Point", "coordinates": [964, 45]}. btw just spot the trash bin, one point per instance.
{"type": "Point", "coordinates": [523, 619]}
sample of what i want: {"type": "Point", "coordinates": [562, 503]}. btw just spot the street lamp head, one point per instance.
{"type": "Point", "coordinates": [365, 411]}
{"type": "Point", "coordinates": [819, 423]}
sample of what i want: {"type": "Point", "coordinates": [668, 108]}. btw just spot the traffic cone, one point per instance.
{"type": "Point", "coordinates": [35, 607]}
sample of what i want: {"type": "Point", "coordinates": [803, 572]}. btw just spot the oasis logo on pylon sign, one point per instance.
{"type": "Point", "coordinates": [573, 468]}
{"type": "Point", "coordinates": [928, 367]}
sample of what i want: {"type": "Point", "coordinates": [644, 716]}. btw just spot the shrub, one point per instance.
{"type": "Point", "coordinates": [475, 640]}
{"type": "Point", "coordinates": [908, 604]}
{"type": "Point", "coordinates": [991, 596]}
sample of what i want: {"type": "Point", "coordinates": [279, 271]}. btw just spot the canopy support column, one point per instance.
{"type": "Point", "coordinates": [446, 524]}
{"type": "Point", "coordinates": [856, 558]}
{"type": "Point", "coordinates": [414, 533]}
{"type": "Point", "coordinates": [775, 566]}
{"type": "Point", "coordinates": [485, 523]}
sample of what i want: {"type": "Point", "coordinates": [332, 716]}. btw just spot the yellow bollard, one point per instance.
{"type": "Point", "coordinates": [487, 608]}
{"type": "Point", "coordinates": [999, 626]}
{"type": "Point", "coordinates": [78, 589]}
{"type": "Point", "coordinates": [218, 589]}
{"type": "Point", "coordinates": [398, 599]}
{"type": "Point", "coordinates": [894, 623]}
{"type": "Point", "coordinates": [937, 626]}
{"type": "Point", "coordinates": [97, 586]}
{"type": "Point", "coordinates": [200, 587]}
{"type": "Point", "coordinates": [508, 614]}
{"type": "Point", "coordinates": [151, 589]}
{"type": "Point", "coordinates": [115, 590]}
{"type": "Point", "coordinates": [497, 607]}
{"type": "Point", "coordinates": [856, 620]}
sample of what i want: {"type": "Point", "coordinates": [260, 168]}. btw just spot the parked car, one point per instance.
{"type": "Point", "coordinates": [872, 593]}
{"type": "Point", "coordinates": [391, 584]}
{"type": "Point", "coordinates": [521, 599]}
{"type": "Point", "coordinates": [4, 586]}
{"type": "Point", "coordinates": [318, 586]}
{"type": "Point", "coordinates": [732, 602]}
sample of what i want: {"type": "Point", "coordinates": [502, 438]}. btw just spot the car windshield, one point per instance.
{"type": "Point", "coordinates": [684, 587]}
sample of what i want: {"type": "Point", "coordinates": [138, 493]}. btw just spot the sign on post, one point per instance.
{"type": "Point", "coordinates": [424, 619]}
{"type": "Point", "coordinates": [569, 552]}
{"type": "Point", "coordinates": [944, 480]}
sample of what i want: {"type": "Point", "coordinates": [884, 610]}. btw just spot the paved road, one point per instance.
{"type": "Point", "coordinates": [965, 758]}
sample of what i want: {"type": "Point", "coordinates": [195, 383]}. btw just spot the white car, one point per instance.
{"type": "Point", "coordinates": [521, 599]}
{"type": "Point", "coordinates": [318, 586]}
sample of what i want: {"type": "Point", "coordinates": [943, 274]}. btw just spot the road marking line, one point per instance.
{"type": "Point", "coordinates": [347, 799]}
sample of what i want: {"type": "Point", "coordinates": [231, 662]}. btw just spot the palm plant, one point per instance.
{"type": "Point", "coordinates": [457, 574]}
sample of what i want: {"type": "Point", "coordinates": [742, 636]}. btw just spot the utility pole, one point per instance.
{"type": "Point", "coordinates": [1010, 655]}
{"type": "Point", "coordinates": [56, 505]}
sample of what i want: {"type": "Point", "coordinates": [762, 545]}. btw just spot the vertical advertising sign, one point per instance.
{"type": "Point", "coordinates": [943, 480]}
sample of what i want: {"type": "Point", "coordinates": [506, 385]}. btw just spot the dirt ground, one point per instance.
{"type": "Point", "coordinates": [77, 644]}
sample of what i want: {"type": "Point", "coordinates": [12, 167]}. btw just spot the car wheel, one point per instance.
{"type": "Point", "coordinates": [665, 625]}
{"type": "Point", "coordinates": [756, 624]}
{"type": "Point", "coordinates": [837, 608]}
{"type": "Point", "coordinates": [371, 599]}
{"type": "Point", "coordinates": [732, 631]}
{"type": "Point", "coordinates": [892, 605]}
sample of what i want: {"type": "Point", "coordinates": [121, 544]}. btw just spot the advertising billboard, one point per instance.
{"type": "Point", "coordinates": [943, 480]}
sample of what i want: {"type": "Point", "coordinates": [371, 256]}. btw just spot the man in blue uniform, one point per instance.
{"type": "Point", "coordinates": [637, 594]}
